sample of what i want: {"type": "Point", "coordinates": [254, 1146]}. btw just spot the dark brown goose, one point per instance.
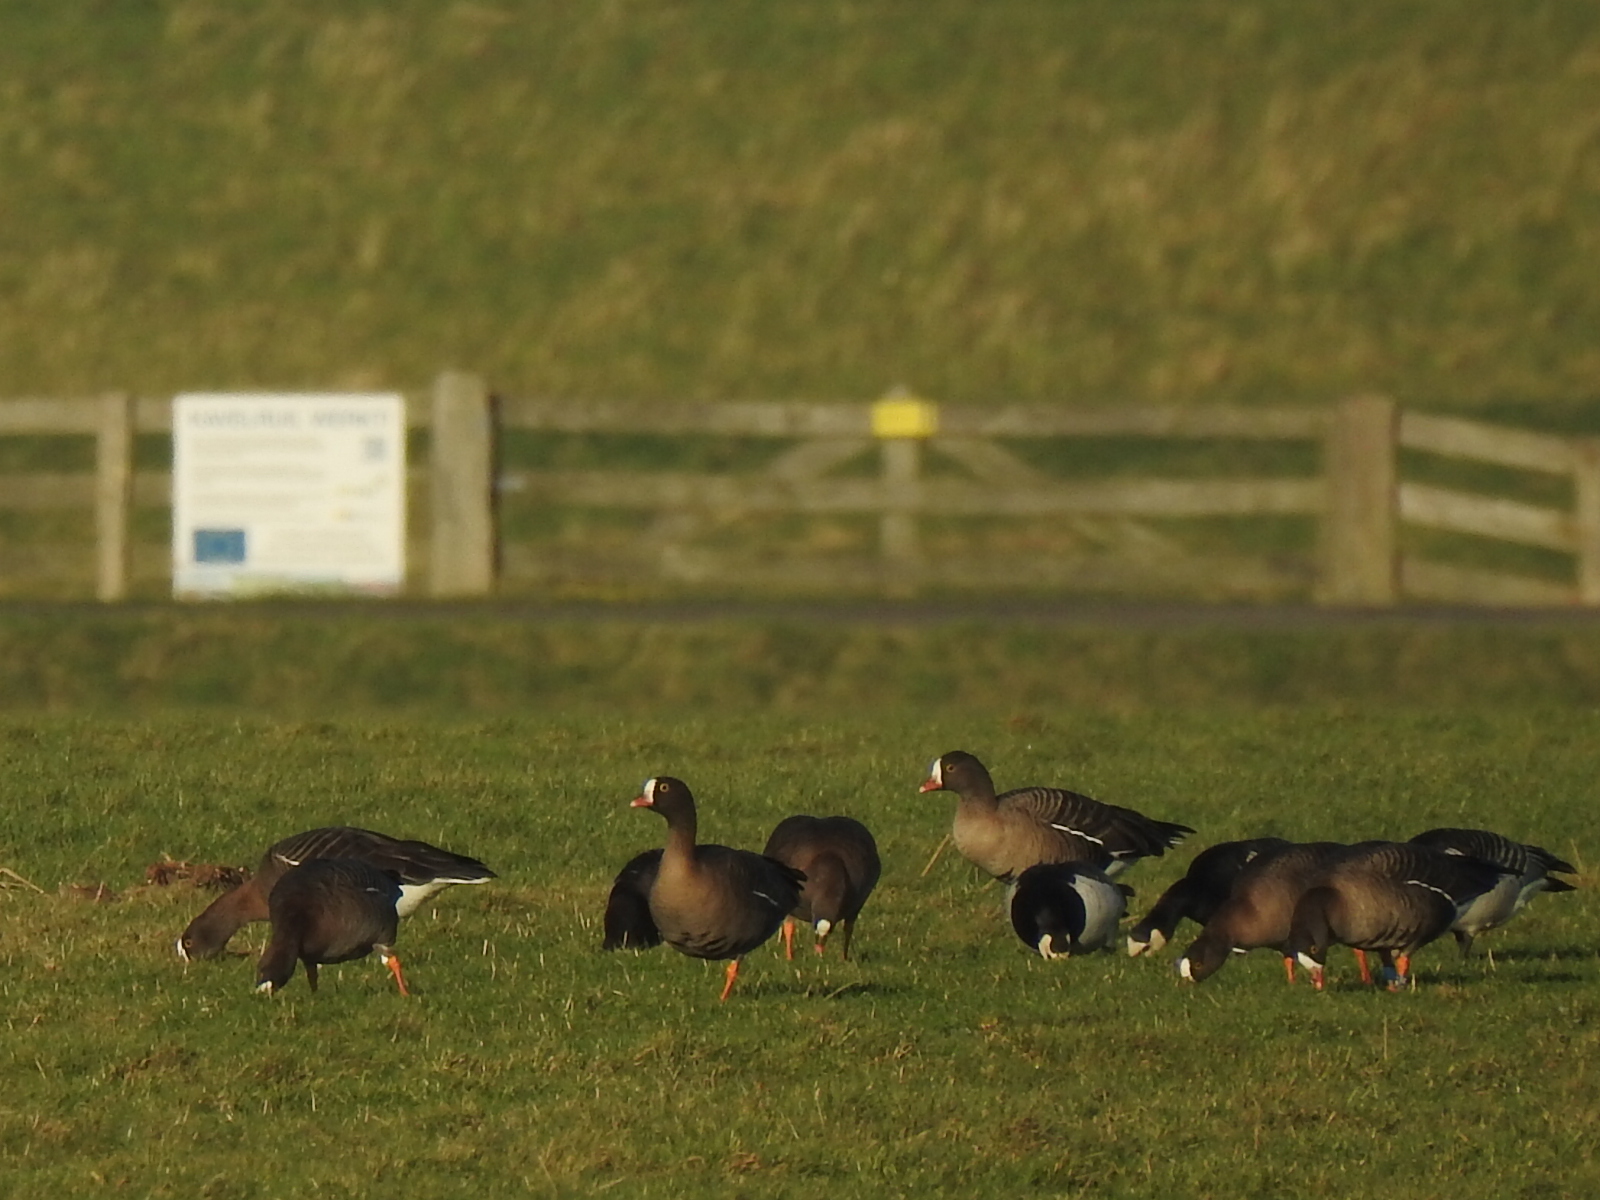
{"type": "Point", "coordinates": [1006, 834]}
{"type": "Point", "coordinates": [423, 870]}
{"type": "Point", "coordinates": [709, 901]}
{"type": "Point", "coordinates": [330, 910]}
{"type": "Point", "coordinates": [1532, 866]}
{"type": "Point", "coordinates": [1199, 893]}
{"type": "Point", "coordinates": [839, 859]}
{"type": "Point", "coordinates": [1259, 910]}
{"type": "Point", "coordinates": [1391, 897]}
{"type": "Point", "coordinates": [628, 923]}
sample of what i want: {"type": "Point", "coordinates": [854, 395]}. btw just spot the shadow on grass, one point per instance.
{"type": "Point", "coordinates": [816, 991]}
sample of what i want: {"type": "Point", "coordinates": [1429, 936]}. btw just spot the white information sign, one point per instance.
{"type": "Point", "coordinates": [287, 493]}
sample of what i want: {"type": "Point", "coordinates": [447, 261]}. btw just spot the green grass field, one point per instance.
{"type": "Point", "coordinates": [945, 1061]}
{"type": "Point", "coordinates": [1213, 201]}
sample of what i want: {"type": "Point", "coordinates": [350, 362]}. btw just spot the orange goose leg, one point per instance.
{"type": "Point", "coordinates": [392, 960]}
{"type": "Point", "coordinates": [1366, 971]}
{"type": "Point", "coordinates": [788, 942]}
{"type": "Point", "coordinates": [733, 973]}
{"type": "Point", "coordinates": [1288, 967]}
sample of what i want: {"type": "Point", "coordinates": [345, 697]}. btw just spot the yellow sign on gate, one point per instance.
{"type": "Point", "coordinates": [900, 415]}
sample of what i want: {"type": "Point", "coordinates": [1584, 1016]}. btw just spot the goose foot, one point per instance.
{"type": "Point", "coordinates": [733, 973]}
{"type": "Point", "coordinates": [392, 960]}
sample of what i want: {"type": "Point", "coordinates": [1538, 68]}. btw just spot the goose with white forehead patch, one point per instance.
{"type": "Point", "coordinates": [840, 861]}
{"type": "Point", "coordinates": [422, 870]}
{"type": "Point", "coordinates": [1259, 909]}
{"type": "Point", "coordinates": [330, 910]}
{"type": "Point", "coordinates": [1203, 889]}
{"type": "Point", "coordinates": [710, 901]}
{"type": "Point", "coordinates": [1006, 834]}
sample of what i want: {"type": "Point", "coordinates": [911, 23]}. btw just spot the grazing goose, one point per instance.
{"type": "Point", "coordinates": [839, 859]}
{"type": "Point", "coordinates": [1532, 865]}
{"type": "Point", "coordinates": [628, 922]}
{"type": "Point", "coordinates": [423, 870]}
{"type": "Point", "coordinates": [330, 910]}
{"type": "Point", "coordinates": [1199, 893]}
{"type": "Point", "coordinates": [1392, 897]}
{"type": "Point", "coordinates": [709, 901]}
{"type": "Point", "coordinates": [1065, 908]}
{"type": "Point", "coordinates": [1007, 834]}
{"type": "Point", "coordinates": [1259, 910]}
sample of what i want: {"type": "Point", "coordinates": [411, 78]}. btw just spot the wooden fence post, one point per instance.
{"type": "Point", "coordinates": [113, 493]}
{"type": "Point", "coordinates": [1586, 488]}
{"type": "Point", "coordinates": [461, 550]}
{"type": "Point", "coordinates": [901, 460]}
{"type": "Point", "coordinates": [901, 422]}
{"type": "Point", "coordinates": [1360, 559]}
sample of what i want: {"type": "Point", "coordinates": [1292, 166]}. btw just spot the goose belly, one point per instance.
{"type": "Point", "coordinates": [702, 925]}
{"type": "Point", "coordinates": [1496, 906]}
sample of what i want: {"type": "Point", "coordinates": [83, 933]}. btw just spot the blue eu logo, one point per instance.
{"type": "Point", "coordinates": [219, 545]}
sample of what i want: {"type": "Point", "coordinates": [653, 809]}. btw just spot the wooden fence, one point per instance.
{"type": "Point", "coordinates": [909, 470]}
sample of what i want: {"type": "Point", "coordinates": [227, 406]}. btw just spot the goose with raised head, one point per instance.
{"type": "Point", "coordinates": [421, 869]}
{"type": "Point", "coordinates": [1005, 834]}
{"type": "Point", "coordinates": [711, 901]}
{"type": "Point", "coordinates": [839, 859]}
{"type": "Point", "coordinates": [330, 910]}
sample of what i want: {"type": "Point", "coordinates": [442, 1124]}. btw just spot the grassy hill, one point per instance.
{"type": "Point", "coordinates": [1195, 202]}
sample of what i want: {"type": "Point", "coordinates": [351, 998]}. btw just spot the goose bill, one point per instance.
{"type": "Point", "coordinates": [935, 780]}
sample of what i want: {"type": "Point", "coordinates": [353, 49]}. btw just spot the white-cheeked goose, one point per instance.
{"type": "Point", "coordinates": [422, 870]}
{"type": "Point", "coordinates": [330, 910]}
{"type": "Point", "coordinates": [1006, 834]}
{"type": "Point", "coordinates": [1065, 908]}
{"type": "Point", "coordinates": [1532, 866]}
{"type": "Point", "coordinates": [710, 901]}
{"type": "Point", "coordinates": [1389, 897]}
{"type": "Point", "coordinates": [839, 859]}
{"type": "Point", "coordinates": [1199, 893]}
